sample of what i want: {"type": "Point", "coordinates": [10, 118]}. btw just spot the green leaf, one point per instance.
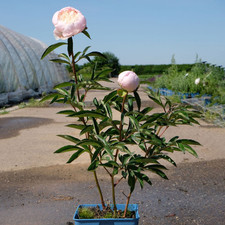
{"type": "Point", "coordinates": [96, 153]}
{"type": "Point", "coordinates": [59, 61]}
{"type": "Point", "coordinates": [191, 151]}
{"type": "Point", "coordinates": [70, 46]}
{"type": "Point", "coordinates": [130, 104]}
{"type": "Point", "coordinates": [115, 171]}
{"type": "Point", "coordinates": [72, 93]}
{"type": "Point", "coordinates": [51, 48]}
{"type": "Point", "coordinates": [146, 179]}
{"type": "Point", "coordinates": [146, 110]}
{"type": "Point", "coordinates": [50, 96]}
{"type": "Point", "coordinates": [67, 148]}
{"type": "Point", "coordinates": [151, 119]}
{"type": "Point", "coordinates": [87, 128]}
{"type": "Point", "coordinates": [138, 100]}
{"type": "Point", "coordinates": [67, 112]}
{"type": "Point", "coordinates": [89, 142]}
{"type": "Point", "coordinates": [181, 147]}
{"type": "Point", "coordinates": [93, 166]}
{"type": "Point", "coordinates": [93, 71]}
{"type": "Point", "coordinates": [63, 55]}
{"type": "Point", "coordinates": [85, 50]}
{"type": "Point", "coordinates": [108, 110]}
{"type": "Point", "coordinates": [109, 96]}
{"type": "Point", "coordinates": [124, 174]}
{"type": "Point", "coordinates": [86, 33]}
{"type": "Point", "coordinates": [62, 91]}
{"type": "Point", "coordinates": [157, 101]}
{"type": "Point", "coordinates": [62, 85]}
{"type": "Point", "coordinates": [188, 142]}
{"type": "Point", "coordinates": [156, 166]}
{"type": "Point", "coordinates": [69, 138]}
{"type": "Point", "coordinates": [76, 55]}
{"type": "Point", "coordinates": [165, 157]}
{"type": "Point", "coordinates": [76, 155]}
{"type": "Point", "coordinates": [124, 158]}
{"type": "Point", "coordinates": [139, 178]}
{"type": "Point", "coordinates": [87, 113]}
{"type": "Point", "coordinates": [54, 99]}
{"type": "Point", "coordinates": [174, 139]}
{"type": "Point", "coordinates": [76, 126]}
{"type": "Point", "coordinates": [95, 125]}
{"type": "Point", "coordinates": [106, 146]}
{"type": "Point", "coordinates": [159, 172]}
{"type": "Point", "coordinates": [88, 59]}
{"type": "Point", "coordinates": [134, 122]}
{"type": "Point", "coordinates": [143, 160]}
{"type": "Point", "coordinates": [99, 54]}
{"type": "Point", "coordinates": [103, 74]}
{"type": "Point", "coordinates": [111, 164]}
{"type": "Point", "coordinates": [131, 181]}
{"type": "Point", "coordinates": [96, 103]}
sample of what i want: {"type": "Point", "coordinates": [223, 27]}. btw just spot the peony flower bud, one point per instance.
{"type": "Point", "coordinates": [68, 22]}
{"type": "Point", "coordinates": [128, 80]}
{"type": "Point", "coordinates": [197, 81]}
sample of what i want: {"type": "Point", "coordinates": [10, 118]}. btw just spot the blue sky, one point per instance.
{"type": "Point", "coordinates": [136, 31]}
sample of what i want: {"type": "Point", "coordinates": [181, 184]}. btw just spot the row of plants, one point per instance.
{"type": "Point", "coordinates": [112, 62]}
{"type": "Point", "coordinates": [202, 79]}
{"type": "Point", "coordinates": [153, 69]}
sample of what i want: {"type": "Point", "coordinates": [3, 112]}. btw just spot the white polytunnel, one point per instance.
{"type": "Point", "coordinates": [22, 72]}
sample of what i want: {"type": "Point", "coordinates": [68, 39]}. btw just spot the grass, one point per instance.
{"type": "Point", "coordinates": [33, 103]}
{"type": "Point", "coordinates": [3, 111]}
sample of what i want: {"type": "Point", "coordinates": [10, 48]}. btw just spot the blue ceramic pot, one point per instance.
{"type": "Point", "coordinates": [108, 221]}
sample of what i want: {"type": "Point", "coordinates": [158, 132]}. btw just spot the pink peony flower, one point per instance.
{"type": "Point", "coordinates": [128, 80]}
{"type": "Point", "coordinates": [68, 22]}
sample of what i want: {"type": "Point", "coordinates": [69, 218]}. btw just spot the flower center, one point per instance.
{"type": "Point", "coordinates": [68, 15]}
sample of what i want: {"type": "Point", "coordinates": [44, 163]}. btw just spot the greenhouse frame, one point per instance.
{"type": "Point", "coordinates": [22, 72]}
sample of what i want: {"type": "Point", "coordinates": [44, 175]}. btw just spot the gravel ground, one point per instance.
{"type": "Point", "coordinates": [194, 194]}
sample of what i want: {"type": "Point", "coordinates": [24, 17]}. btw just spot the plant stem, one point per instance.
{"type": "Point", "coordinates": [163, 131]}
{"type": "Point", "coordinates": [127, 203]}
{"type": "Point", "coordinates": [75, 75]}
{"type": "Point", "coordinates": [87, 135]}
{"type": "Point", "coordinates": [121, 125]}
{"type": "Point", "coordinates": [99, 190]}
{"type": "Point", "coordinates": [96, 179]}
{"type": "Point", "coordinates": [113, 196]}
{"type": "Point", "coordinates": [118, 181]}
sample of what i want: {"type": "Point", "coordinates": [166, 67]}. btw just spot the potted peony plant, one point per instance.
{"type": "Point", "coordinates": [106, 139]}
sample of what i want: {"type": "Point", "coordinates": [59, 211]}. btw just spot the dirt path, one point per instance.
{"type": "Point", "coordinates": [194, 194]}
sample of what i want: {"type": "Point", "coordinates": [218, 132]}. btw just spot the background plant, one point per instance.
{"type": "Point", "coordinates": [212, 80]}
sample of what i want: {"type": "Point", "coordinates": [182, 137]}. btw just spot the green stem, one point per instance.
{"type": "Point", "coordinates": [75, 75]}
{"type": "Point", "coordinates": [87, 135]}
{"type": "Point", "coordinates": [99, 190]}
{"type": "Point", "coordinates": [113, 196]}
{"type": "Point", "coordinates": [97, 183]}
{"type": "Point", "coordinates": [115, 159]}
{"type": "Point", "coordinates": [121, 125]}
{"type": "Point", "coordinates": [121, 122]}
{"type": "Point", "coordinates": [127, 203]}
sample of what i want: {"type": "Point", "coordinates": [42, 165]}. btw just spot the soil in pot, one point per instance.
{"type": "Point", "coordinates": [97, 213]}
